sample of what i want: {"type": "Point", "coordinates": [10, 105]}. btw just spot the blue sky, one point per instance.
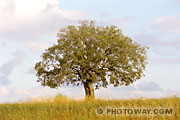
{"type": "Point", "coordinates": [27, 27]}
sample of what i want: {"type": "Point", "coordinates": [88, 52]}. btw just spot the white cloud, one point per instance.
{"type": "Point", "coordinates": [149, 86]}
{"type": "Point", "coordinates": [168, 24]}
{"type": "Point", "coordinates": [7, 68]}
{"type": "Point", "coordinates": [145, 90]}
{"type": "Point", "coordinates": [122, 20]}
{"type": "Point", "coordinates": [103, 14]}
{"type": "Point", "coordinates": [31, 71]}
{"type": "Point", "coordinates": [3, 91]}
{"type": "Point", "coordinates": [2, 43]}
{"type": "Point", "coordinates": [31, 7]}
{"type": "Point", "coordinates": [160, 46]}
{"type": "Point", "coordinates": [32, 21]}
{"type": "Point", "coordinates": [166, 61]}
{"type": "Point", "coordinates": [13, 94]}
{"type": "Point", "coordinates": [37, 46]}
{"type": "Point", "coordinates": [155, 40]}
{"type": "Point", "coordinates": [148, 39]}
{"type": "Point", "coordinates": [28, 20]}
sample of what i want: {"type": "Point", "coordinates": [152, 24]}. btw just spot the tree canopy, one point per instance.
{"type": "Point", "coordinates": [93, 56]}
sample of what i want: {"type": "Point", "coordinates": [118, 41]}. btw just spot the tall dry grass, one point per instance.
{"type": "Point", "coordinates": [63, 108]}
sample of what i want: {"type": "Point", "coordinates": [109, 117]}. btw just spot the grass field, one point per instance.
{"type": "Point", "coordinates": [62, 108]}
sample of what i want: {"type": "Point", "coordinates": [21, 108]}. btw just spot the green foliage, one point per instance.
{"type": "Point", "coordinates": [95, 53]}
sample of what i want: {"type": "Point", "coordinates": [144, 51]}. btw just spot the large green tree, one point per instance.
{"type": "Point", "coordinates": [92, 56]}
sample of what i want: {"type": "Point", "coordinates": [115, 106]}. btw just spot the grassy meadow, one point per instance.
{"type": "Point", "coordinates": [63, 108]}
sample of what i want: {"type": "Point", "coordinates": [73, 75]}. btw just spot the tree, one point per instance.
{"type": "Point", "coordinates": [93, 56]}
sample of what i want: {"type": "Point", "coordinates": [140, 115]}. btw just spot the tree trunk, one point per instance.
{"type": "Point", "coordinates": [89, 89]}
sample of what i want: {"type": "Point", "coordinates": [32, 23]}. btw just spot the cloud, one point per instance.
{"type": "Point", "coordinates": [35, 22]}
{"type": "Point", "coordinates": [168, 24]}
{"type": "Point", "coordinates": [150, 87]}
{"type": "Point", "coordinates": [160, 45]}
{"type": "Point", "coordinates": [31, 71]}
{"type": "Point", "coordinates": [148, 39]}
{"type": "Point", "coordinates": [144, 89]}
{"type": "Point", "coordinates": [154, 40]}
{"type": "Point", "coordinates": [7, 68]}
{"type": "Point", "coordinates": [166, 61]}
{"type": "Point", "coordinates": [2, 43]}
{"type": "Point", "coordinates": [29, 20]}
{"type": "Point", "coordinates": [13, 94]}
{"type": "Point", "coordinates": [103, 14]}
{"type": "Point", "coordinates": [4, 91]}
{"type": "Point", "coordinates": [120, 21]}
{"type": "Point", "coordinates": [177, 1]}
{"type": "Point", "coordinates": [163, 41]}
{"type": "Point", "coordinates": [37, 46]}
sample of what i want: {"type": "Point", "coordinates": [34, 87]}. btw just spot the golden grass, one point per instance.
{"type": "Point", "coordinates": [63, 108]}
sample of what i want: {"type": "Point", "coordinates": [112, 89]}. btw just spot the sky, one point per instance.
{"type": "Point", "coordinates": [28, 27]}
